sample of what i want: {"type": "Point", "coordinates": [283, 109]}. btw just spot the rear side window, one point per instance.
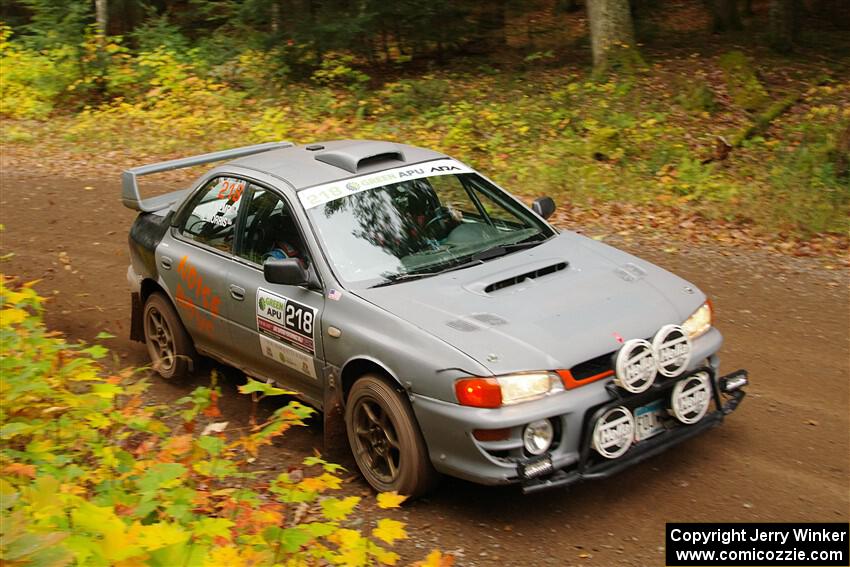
{"type": "Point", "coordinates": [270, 229]}
{"type": "Point", "coordinates": [213, 213]}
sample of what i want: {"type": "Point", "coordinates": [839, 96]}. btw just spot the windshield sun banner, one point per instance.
{"type": "Point", "coordinates": [321, 194]}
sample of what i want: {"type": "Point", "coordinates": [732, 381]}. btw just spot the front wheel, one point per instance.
{"type": "Point", "coordinates": [385, 438]}
{"type": "Point", "coordinates": [169, 345]}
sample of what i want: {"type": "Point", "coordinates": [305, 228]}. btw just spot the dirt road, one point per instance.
{"type": "Point", "coordinates": [782, 457]}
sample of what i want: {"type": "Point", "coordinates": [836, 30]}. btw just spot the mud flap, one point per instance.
{"type": "Point", "coordinates": [335, 436]}
{"type": "Point", "coordinates": [137, 330]}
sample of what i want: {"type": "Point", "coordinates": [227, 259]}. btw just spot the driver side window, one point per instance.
{"type": "Point", "coordinates": [270, 230]}
{"type": "Point", "coordinates": [213, 213]}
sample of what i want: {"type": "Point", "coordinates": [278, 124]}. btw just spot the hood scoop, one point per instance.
{"type": "Point", "coordinates": [529, 275]}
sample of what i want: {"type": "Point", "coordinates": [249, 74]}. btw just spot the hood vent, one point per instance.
{"type": "Point", "coordinates": [358, 155]}
{"type": "Point", "coordinates": [534, 274]}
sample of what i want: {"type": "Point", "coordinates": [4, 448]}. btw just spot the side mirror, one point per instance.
{"type": "Point", "coordinates": [289, 271]}
{"type": "Point", "coordinates": [543, 206]}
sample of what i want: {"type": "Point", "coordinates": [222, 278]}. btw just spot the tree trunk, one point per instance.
{"type": "Point", "coordinates": [612, 36]}
{"type": "Point", "coordinates": [724, 15]}
{"type": "Point", "coordinates": [490, 32]}
{"type": "Point", "coordinates": [101, 11]}
{"type": "Point", "coordinates": [784, 24]}
{"type": "Point", "coordinates": [569, 5]}
{"type": "Point", "coordinates": [274, 18]}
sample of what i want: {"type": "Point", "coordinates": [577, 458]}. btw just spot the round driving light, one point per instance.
{"type": "Point", "coordinates": [537, 436]}
{"type": "Point", "coordinates": [690, 398]}
{"type": "Point", "coordinates": [613, 432]}
{"type": "Point", "coordinates": [635, 366]}
{"type": "Point", "coordinates": [672, 350]}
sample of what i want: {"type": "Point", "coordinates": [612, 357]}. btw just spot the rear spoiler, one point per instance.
{"type": "Point", "coordinates": [129, 178]}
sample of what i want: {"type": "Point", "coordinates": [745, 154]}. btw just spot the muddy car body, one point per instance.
{"type": "Point", "coordinates": [447, 325]}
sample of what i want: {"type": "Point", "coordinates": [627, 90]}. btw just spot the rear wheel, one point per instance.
{"type": "Point", "coordinates": [169, 345]}
{"type": "Point", "coordinates": [385, 438]}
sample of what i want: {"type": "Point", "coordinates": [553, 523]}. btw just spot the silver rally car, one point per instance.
{"type": "Point", "coordinates": [439, 324]}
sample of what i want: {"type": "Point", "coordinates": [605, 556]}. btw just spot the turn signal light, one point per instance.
{"type": "Point", "coordinates": [492, 434]}
{"type": "Point", "coordinates": [479, 392]}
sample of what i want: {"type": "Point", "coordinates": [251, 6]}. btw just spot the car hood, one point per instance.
{"type": "Point", "coordinates": [558, 304]}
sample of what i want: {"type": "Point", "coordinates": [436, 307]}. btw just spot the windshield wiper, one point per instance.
{"type": "Point", "coordinates": [416, 275]}
{"type": "Point", "coordinates": [469, 261]}
{"type": "Point", "coordinates": [502, 249]}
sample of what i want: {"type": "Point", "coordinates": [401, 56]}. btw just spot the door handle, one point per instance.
{"type": "Point", "coordinates": [236, 292]}
{"type": "Point", "coordinates": [165, 262]}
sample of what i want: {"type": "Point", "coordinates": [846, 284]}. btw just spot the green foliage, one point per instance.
{"type": "Point", "coordinates": [33, 81]}
{"type": "Point", "coordinates": [409, 97]}
{"type": "Point", "coordinates": [91, 475]}
{"type": "Point", "coordinates": [535, 131]}
{"type": "Point", "coordinates": [742, 82]}
{"type": "Point", "coordinates": [56, 23]}
{"type": "Point", "coordinates": [804, 182]}
{"type": "Point", "coordinates": [695, 94]}
{"type": "Point", "coordinates": [337, 70]}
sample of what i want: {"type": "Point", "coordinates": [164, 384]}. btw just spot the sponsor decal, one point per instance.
{"type": "Point", "coordinates": [635, 366]}
{"type": "Point", "coordinates": [230, 189]}
{"type": "Point", "coordinates": [196, 298]}
{"type": "Point", "coordinates": [690, 398]}
{"type": "Point", "coordinates": [334, 295]}
{"type": "Point", "coordinates": [613, 432]}
{"type": "Point", "coordinates": [321, 194]}
{"type": "Point", "coordinates": [288, 356]}
{"type": "Point", "coordinates": [286, 320]}
{"type": "Point", "coordinates": [672, 350]}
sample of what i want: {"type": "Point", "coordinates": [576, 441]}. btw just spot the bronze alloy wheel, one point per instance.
{"type": "Point", "coordinates": [169, 345]}
{"type": "Point", "coordinates": [160, 339]}
{"type": "Point", "coordinates": [385, 438]}
{"type": "Point", "coordinates": [376, 440]}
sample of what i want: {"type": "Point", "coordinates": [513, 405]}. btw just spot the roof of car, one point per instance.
{"type": "Point", "coordinates": [325, 162]}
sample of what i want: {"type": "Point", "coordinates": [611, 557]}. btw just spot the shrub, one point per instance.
{"type": "Point", "coordinates": [92, 475]}
{"type": "Point", "coordinates": [741, 81]}
{"type": "Point", "coordinates": [31, 81]}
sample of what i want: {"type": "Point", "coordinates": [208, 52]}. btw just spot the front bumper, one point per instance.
{"type": "Point", "coordinates": [592, 469]}
{"type": "Point", "coordinates": [454, 451]}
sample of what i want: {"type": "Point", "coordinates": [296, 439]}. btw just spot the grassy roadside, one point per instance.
{"type": "Point", "coordinates": [643, 145]}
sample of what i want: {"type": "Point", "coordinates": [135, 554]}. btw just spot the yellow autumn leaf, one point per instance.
{"type": "Point", "coordinates": [339, 508]}
{"type": "Point", "coordinates": [162, 534]}
{"type": "Point", "coordinates": [390, 499]}
{"type": "Point", "coordinates": [227, 555]}
{"type": "Point", "coordinates": [331, 481]}
{"type": "Point", "coordinates": [13, 297]}
{"type": "Point", "coordinates": [313, 484]}
{"type": "Point", "coordinates": [42, 497]}
{"type": "Point", "coordinates": [102, 520]}
{"type": "Point", "coordinates": [389, 530]}
{"type": "Point", "coordinates": [436, 559]}
{"type": "Point", "coordinates": [352, 557]}
{"type": "Point", "coordinates": [345, 537]}
{"type": "Point", "coordinates": [12, 316]}
{"type": "Point", "coordinates": [385, 557]}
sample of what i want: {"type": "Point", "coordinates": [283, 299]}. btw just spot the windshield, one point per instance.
{"type": "Point", "coordinates": [439, 215]}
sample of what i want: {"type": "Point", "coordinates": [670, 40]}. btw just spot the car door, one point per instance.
{"type": "Point", "coordinates": [193, 260]}
{"type": "Point", "coordinates": [277, 328]}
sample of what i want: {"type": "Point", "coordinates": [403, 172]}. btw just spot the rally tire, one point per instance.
{"type": "Point", "coordinates": [385, 438]}
{"type": "Point", "coordinates": [170, 347]}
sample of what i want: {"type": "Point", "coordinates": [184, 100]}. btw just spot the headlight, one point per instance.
{"type": "Point", "coordinates": [700, 322]}
{"type": "Point", "coordinates": [506, 390]}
